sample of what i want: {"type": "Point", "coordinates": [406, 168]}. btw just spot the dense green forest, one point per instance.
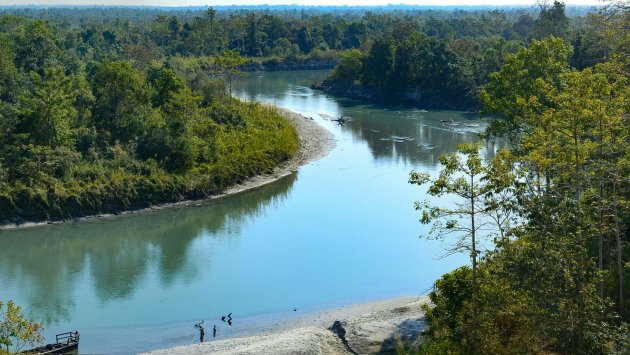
{"type": "Point", "coordinates": [85, 129]}
{"type": "Point", "coordinates": [108, 109]}
{"type": "Point", "coordinates": [103, 110]}
{"type": "Point", "coordinates": [546, 222]}
{"type": "Point", "coordinates": [443, 63]}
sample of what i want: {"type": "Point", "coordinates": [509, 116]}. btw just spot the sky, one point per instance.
{"type": "Point", "coordinates": [283, 2]}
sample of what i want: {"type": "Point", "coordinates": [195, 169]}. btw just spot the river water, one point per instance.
{"type": "Point", "coordinates": [342, 230]}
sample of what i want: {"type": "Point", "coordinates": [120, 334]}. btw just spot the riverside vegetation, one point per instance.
{"type": "Point", "coordinates": [101, 112]}
{"type": "Point", "coordinates": [445, 62]}
{"type": "Point", "coordinates": [546, 222]}
{"type": "Point", "coordinates": [80, 135]}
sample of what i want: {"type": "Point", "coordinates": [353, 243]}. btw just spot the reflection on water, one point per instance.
{"type": "Point", "coordinates": [344, 231]}
{"type": "Point", "coordinates": [411, 136]}
{"type": "Point", "coordinates": [45, 264]}
{"type": "Point", "coordinates": [415, 137]}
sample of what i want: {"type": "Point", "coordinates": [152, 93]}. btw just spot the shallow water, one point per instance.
{"type": "Point", "coordinates": [341, 230]}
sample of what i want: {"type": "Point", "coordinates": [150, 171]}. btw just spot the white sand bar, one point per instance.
{"type": "Point", "coordinates": [370, 328]}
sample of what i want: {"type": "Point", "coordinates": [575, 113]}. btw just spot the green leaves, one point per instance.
{"type": "Point", "coordinates": [122, 101]}
{"type": "Point", "coordinates": [48, 110]}
{"type": "Point", "coordinates": [349, 69]}
{"type": "Point", "coordinates": [466, 177]}
{"type": "Point", "coordinates": [16, 331]}
{"type": "Point", "coordinates": [525, 85]}
{"type": "Point", "coordinates": [112, 135]}
{"type": "Point", "coordinates": [229, 64]}
{"type": "Point", "coordinates": [35, 46]}
{"type": "Point", "coordinates": [378, 63]}
{"type": "Point", "coordinates": [546, 285]}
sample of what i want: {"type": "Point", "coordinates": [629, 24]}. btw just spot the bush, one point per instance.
{"type": "Point", "coordinates": [223, 114]}
{"type": "Point", "coordinates": [350, 67]}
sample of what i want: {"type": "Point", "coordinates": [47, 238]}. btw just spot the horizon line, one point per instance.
{"type": "Point", "coordinates": [524, 4]}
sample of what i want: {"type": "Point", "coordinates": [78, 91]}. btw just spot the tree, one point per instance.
{"type": "Point", "coordinates": [229, 65]}
{"type": "Point", "coordinates": [435, 66]}
{"type": "Point", "coordinates": [406, 63]}
{"type": "Point", "coordinates": [305, 39]}
{"type": "Point", "coordinates": [252, 43]}
{"type": "Point", "coordinates": [211, 14]}
{"type": "Point", "coordinates": [332, 35]}
{"type": "Point", "coordinates": [378, 64]}
{"type": "Point", "coordinates": [8, 71]}
{"type": "Point", "coordinates": [523, 25]}
{"type": "Point", "coordinates": [122, 100]}
{"type": "Point", "coordinates": [349, 68]}
{"type": "Point", "coordinates": [470, 181]}
{"type": "Point", "coordinates": [354, 34]}
{"type": "Point", "coordinates": [35, 47]}
{"type": "Point", "coordinates": [48, 110]}
{"type": "Point", "coordinates": [523, 86]}
{"type": "Point", "coordinates": [551, 21]}
{"type": "Point", "coordinates": [166, 85]}
{"type": "Point", "coordinates": [16, 330]}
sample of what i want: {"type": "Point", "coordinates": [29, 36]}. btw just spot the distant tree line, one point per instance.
{"type": "Point", "coordinates": [98, 33]}
{"type": "Point", "coordinates": [444, 63]}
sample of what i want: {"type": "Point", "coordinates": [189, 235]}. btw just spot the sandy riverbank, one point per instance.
{"type": "Point", "coordinates": [315, 143]}
{"type": "Point", "coordinates": [370, 328]}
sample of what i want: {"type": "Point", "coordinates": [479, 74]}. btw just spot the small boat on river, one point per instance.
{"type": "Point", "coordinates": [67, 343]}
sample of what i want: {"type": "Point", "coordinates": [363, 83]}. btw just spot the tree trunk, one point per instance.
{"type": "Point", "coordinates": [600, 208]}
{"type": "Point", "coordinates": [619, 250]}
{"type": "Point", "coordinates": [230, 85]}
{"type": "Point", "coordinates": [474, 261]}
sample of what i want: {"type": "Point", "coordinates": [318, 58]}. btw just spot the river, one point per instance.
{"type": "Point", "coordinates": [341, 230]}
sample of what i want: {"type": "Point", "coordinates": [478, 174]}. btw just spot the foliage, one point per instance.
{"type": "Point", "coordinates": [427, 56]}
{"type": "Point", "coordinates": [557, 282]}
{"type": "Point", "coordinates": [551, 21]}
{"type": "Point", "coordinates": [81, 137]}
{"type": "Point", "coordinates": [16, 330]}
{"type": "Point", "coordinates": [523, 85]}
{"type": "Point", "coordinates": [229, 64]}
{"type": "Point", "coordinates": [475, 187]}
{"type": "Point", "coordinates": [349, 69]}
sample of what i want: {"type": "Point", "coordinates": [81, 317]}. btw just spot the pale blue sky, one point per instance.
{"type": "Point", "coordinates": [276, 2]}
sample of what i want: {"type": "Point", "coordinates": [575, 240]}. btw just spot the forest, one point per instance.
{"type": "Point", "coordinates": [105, 110]}
{"type": "Point", "coordinates": [546, 222]}
{"type": "Point", "coordinates": [444, 63]}
{"type": "Point", "coordinates": [110, 109]}
{"type": "Point", "coordinates": [85, 130]}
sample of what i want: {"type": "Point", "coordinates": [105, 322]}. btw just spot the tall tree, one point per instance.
{"type": "Point", "coordinates": [121, 107]}
{"type": "Point", "coordinates": [552, 21]}
{"type": "Point", "coordinates": [48, 110]}
{"type": "Point", "coordinates": [8, 71]}
{"type": "Point", "coordinates": [378, 63]}
{"type": "Point", "coordinates": [211, 14]}
{"type": "Point", "coordinates": [523, 86]}
{"type": "Point", "coordinates": [473, 183]}
{"type": "Point", "coordinates": [35, 47]}
{"type": "Point", "coordinates": [229, 65]}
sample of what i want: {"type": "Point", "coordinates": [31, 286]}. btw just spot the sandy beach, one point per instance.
{"type": "Point", "coordinates": [368, 328]}
{"type": "Point", "coordinates": [315, 143]}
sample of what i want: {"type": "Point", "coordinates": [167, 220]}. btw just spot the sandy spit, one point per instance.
{"type": "Point", "coordinates": [370, 328]}
{"type": "Point", "coordinates": [315, 143]}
